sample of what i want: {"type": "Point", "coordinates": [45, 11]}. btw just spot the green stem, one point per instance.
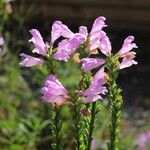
{"type": "Point", "coordinates": [58, 126]}
{"type": "Point", "coordinates": [56, 117]}
{"type": "Point", "coordinates": [115, 104]}
{"type": "Point", "coordinates": [81, 122]}
{"type": "Point", "coordinates": [91, 125]}
{"type": "Point", "coordinates": [77, 123]}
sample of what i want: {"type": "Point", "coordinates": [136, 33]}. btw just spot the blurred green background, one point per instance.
{"type": "Point", "coordinates": [23, 116]}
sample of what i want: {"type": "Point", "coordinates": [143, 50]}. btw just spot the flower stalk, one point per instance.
{"type": "Point", "coordinates": [56, 117]}
{"type": "Point", "coordinates": [80, 120]}
{"type": "Point", "coordinates": [115, 99]}
{"type": "Point", "coordinates": [77, 125]}
{"type": "Point", "coordinates": [91, 125]}
{"type": "Point", "coordinates": [57, 128]}
{"type": "Point", "coordinates": [85, 118]}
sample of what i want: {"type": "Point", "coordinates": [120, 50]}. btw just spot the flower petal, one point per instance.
{"type": "Point", "coordinates": [127, 62]}
{"type": "Point", "coordinates": [96, 88]}
{"type": "Point", "coordinates": [89, 64]}
{"type": "Point", "coordinates": [105, 45]}
{"type": "Point", "coordinates": [60, 29]}
{"type": "Point", "coordinates": [91, 98]}
{"type": "Point", "coordinates": [67, 47]}
{"type": "Point", "coordinates": [98, 24]}
{"type": "Point", "coordinates": [96, 32]}
{"type": "Point", "coordinates": [38, 42]}
{"type": "Point", "coordinates": [100, 76]}
{"type": "Point", "coordinates": [83, 31]}
{"type": "Point", "coordinates": [30, 61]}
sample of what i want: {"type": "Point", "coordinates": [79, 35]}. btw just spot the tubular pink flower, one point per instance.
{"type": "Point", "coordinates": [127, 45]}
{"type": "Point", "coordinates": [95, 34]}
{"type": "Point", "coordinates": [89, 64]}
{"type": "Point", "coordinates": [98, 24]}
{"type": "Point", "coordinates": [59, 29]}
{"type": "Point", "coordinates": [93, 93]}
{"type": "Point", "coordinates": [53, 91]}
{"type": "Point", "coordinates": [126, 53]}
{"type": "Point", "coordinates": [40, 46]}
{"type": "Point", "coordinates": [100, 76]}
{"type": "Point", "coordinates": [62, 51]}
{"type": "Point", "coordinates": [67, 47]}
{"type": "Point", "coordinates": [128, 60]}
{"type": "Point", "coordinates": [30, 61]}
{"type": "Point", "coordinates": [105, 45]}
{"type": "Point", "coordinates": [94, 40]}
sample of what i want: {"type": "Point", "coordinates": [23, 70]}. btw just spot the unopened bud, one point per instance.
{"type": "Point", "coordinates": [106, 77]}
{"type": "Point", "coordinates": [85, 112]}
{"type": "Point", "coordinates": [76, 57]}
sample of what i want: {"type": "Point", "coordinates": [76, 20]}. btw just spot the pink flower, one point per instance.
{"type": "Point", "coordinates": [127, 45]}
{"type": "Point", "coordinates": [40, 46]}
{"type": "Point", "coordinates": [100, 76]}
{"type": "Point", "coordinates": [59, 29]}
{"type": "Point", "coordinates": [98, 25]}
{"type": "Point", "coordinates": [94, 144]}
{"type": "Point", "coordinates": [93, 93]}
{"type": "Point", "coordinates": [89, 64]}
{"type": "Point", "coordinates": [143, 140]}
{"type": "Point", "coordinates": [30, 61]}
{"type": "Point", "coordinates": [125, 52]}
{"type": "Point", "coordinates": [95, 34]}
{"type": "Point", "coordinates": [53, 91]}
{"type": "Point", "coordinates": [1, 43]}
{"type": "Point", "coordinates": [1, 40]}
{"type": "Point", "coordinates": [105, 45]}
{"type": "Point", "coordinates": [67, 47]}
{"type": "Point", "coordinates": [128, 60]}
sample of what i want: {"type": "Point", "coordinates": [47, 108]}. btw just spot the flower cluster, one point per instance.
{"type": "Point", "coordinates": [96, 41]}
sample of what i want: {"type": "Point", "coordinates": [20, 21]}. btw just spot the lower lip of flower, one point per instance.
{"type": "Point", "coordinates": [128, 55]}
